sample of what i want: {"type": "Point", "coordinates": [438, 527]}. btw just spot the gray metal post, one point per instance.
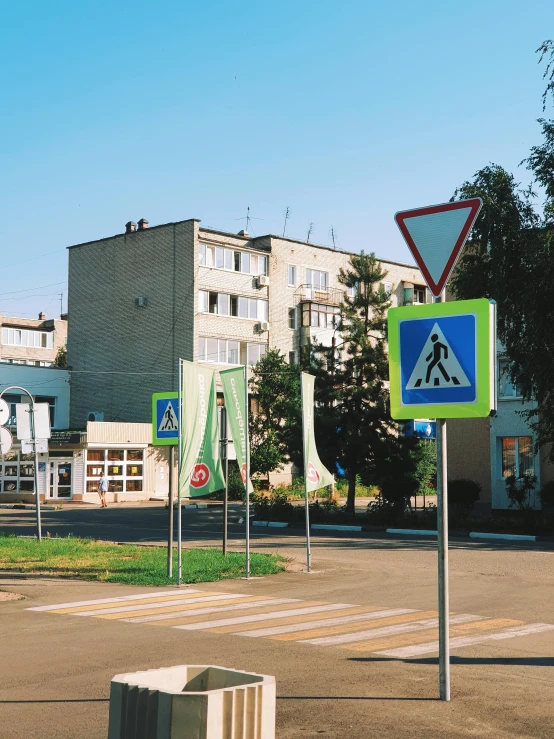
{"type": "Point", "coordinates": [179, 457]}
{"type": "Point", "coordinates": [442, 536]}
{"type": "Point", "coordinates": [170, 521]}
{"type": "Point", "coordinates": [224, 454]}
{"type": "Point", "coordinates": [306, 501]}
{"type": "Point", "coordinates": [247, 483]}
{"type": "Point", "coordinates": [35, 452]}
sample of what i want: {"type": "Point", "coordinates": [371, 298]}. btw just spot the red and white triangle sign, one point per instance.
{"type": "Point", "coordinates": [436, 236]}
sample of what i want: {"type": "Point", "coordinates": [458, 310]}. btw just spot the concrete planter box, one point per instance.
{"type": "Point", "coordinates": [192, 702]}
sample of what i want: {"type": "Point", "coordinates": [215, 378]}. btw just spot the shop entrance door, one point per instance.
{"type": "Point", "coordinates": [61, 474]}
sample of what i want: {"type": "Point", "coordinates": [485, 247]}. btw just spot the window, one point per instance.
{"type": "Point", "coordinates": [124, 468]}
{"type": "Point", "coordinates": [517, 456]}
{"type": "Point", "coordinates": [506, 389]}
{"type": "Point", "coordinates": [420, 294]}
{"type": "Point", "coordinates": [317, 280]}
{"type": "Point", "coordinates": [320, 316]}
{"type": "Point", "coordinates": [228, 351]}
{"type": "Point", "coordinates": [292, 318]}
{"type": "Point", "coordinates": [221, 257]}
{"type": "Point", "coordinates": [233, 305]}
{"type": "Point", "coordinates": [17, 473]}
{"type": "Point", "coordinates": [292, 275]}
{"type": "Point", "coordinates": [352, 291]}
{"type": "Point", "coordinates": [387, 287]}
{"type": "Point", "coordinates": [292, 357]}
{"type": "Point", "coordinates": [27, 337]}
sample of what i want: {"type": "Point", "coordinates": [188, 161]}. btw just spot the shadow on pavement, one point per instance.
{"type": "Point", "coordinates": [512, 661]}
{"type": "Point", "coordinates": [349, 698]}
{"type": "Point", "coordinates": [62, 700]}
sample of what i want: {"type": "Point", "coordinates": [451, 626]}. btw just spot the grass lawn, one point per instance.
{"type": "Point", "coordinates": [88, 559]}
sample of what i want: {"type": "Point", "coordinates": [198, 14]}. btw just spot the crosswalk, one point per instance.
{"type": "Point", "coordinates": [400, 633]}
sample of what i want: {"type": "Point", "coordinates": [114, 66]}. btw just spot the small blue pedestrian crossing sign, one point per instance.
{"type": "Point", "coordinates": [165, 418]}
{"type": "Point", "coordinates": [441, 360]}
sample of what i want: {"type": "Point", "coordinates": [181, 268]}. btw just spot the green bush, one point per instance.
{"type": "Point", "coordinates": [463, 492]}
{"type": "Point", "coordinates": [519, 489]}
{"type": "Point", "coordinates": [272, 507]}
{"type": "Point", "coordinates": [547, 494]}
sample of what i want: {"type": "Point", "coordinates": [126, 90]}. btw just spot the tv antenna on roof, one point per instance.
{"type": "Point", "coordinates": [287, 213]}
{"type": "Point", "coordinates": [333, 236]}
{"type": "Point", "coordinates": [248, 218]}
{"type": "Point", "coordinates": [310, 233]}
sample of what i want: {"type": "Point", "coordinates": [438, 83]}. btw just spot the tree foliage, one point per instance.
{"type": "Point", "coordinates": [510, 259]}
{"type": "Point", "coordinates": [275, 426]}
{"type": "Point", "coordinates": [354, 423]}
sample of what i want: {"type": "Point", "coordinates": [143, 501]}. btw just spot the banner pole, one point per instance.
{"type": "Point", "coordinates": [306, 503]}
{"type": "Point", "coordinates": [247, 462]}
{"type": "Point", "coordinates": [170, 521]}
{"type": "Point", "coordinates": [35, 466]}
{"type": "Point", "coordinates": [225, 450]}
{"type": "Point", "coordinates": [442, 537]}
{"type": "Point", "coordinates": [180, 455]}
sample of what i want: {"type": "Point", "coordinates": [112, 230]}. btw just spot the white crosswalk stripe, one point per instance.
{"type": "Point", "coordinates": [466, 641]}
{"type": "Point", "coordinates": [212, 609]}
{"type": "Point", "coordinates": [398, 633]}
{"type": "Point", "coordinates": [263, 617]}
{"type": "Point", "coordinates": [291, 628]}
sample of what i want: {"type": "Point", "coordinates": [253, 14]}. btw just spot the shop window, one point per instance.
{"type": "Point", "coordinates": [94, 470]}
{"type": "Point", "coordinates": [17, 473]}
{"type": "Point", "coordinates": [134, 455]}
{"type": "Point", "coordinates": [133, 486]}
{"type": "Point", "coordinates": [125, 469]}
{"type": "Point", "coordinates": [115, 486]}
{"type": "Point", "coordinates": [116, 455]}
{"type": "Point", "coordinates": [95, 455]}
{"type": "Point", "coordinates": [115, 470]}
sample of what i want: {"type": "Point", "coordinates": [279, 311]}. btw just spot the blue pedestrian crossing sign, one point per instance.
{"type": "Point", "coordinates": [165, 419]}
{"type": "Point", "coordinates": [442, 360]}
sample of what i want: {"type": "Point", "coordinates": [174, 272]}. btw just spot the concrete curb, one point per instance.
{"type": "Point", "coordinates": [28, 506]}
{"type": "Point", "coordinates": [506, 537]}
{"type": "Point", "coordinates": [412, 532]}
{"type": "Point", "coordinates": [271, 524]}
{"type": "Point", "coordinates": [335, 527]}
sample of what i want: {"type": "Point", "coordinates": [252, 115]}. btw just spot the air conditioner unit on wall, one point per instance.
{"type": "Point", "coordinates": [263, 326]}
{"type": "Point", "coordinates": [263, 281]}
{"type": "Point", "coordinates": [141, 301]}
{"type": "Point", "coordinates": [95, 416]}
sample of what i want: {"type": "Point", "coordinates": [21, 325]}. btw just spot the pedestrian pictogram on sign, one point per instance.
{"type": "Point", "coordinates": [437, 365]}
{"type": "Point", "coordinates": [441, 360]}
{"type": "Point", "coordinates": [165, 418]}
{"type": "Point", "coordinates": [169, 419]}
{"type": "Point", "coordinates": [436, 235]}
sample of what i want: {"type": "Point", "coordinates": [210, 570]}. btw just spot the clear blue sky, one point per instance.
{"type": "Point", "coordinates": [344, 111]}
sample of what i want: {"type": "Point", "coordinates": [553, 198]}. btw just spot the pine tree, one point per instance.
{"type": "Point", "coordinates": [355, 427]}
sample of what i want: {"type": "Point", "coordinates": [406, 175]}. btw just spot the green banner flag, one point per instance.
{"type": "Point", "coordinates": [200, 470]}
{"type": "Point", "coordinates": [316, 475]}
{"type": "Point", "coordinates": [234, 392]}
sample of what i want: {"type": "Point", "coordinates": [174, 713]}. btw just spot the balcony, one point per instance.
{"type": "Point", "coordinates": [323, 296]}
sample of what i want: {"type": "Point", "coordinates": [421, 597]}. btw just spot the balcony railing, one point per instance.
{"type": "Point", "coordinates": [325, 296]}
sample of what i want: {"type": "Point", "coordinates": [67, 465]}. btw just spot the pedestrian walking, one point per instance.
{"type": "Point", "coordinates": [103, 489]}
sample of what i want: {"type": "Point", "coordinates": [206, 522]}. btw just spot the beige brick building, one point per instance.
{"type": "Point", "coordinates": [142, 299]}
{"type": "Point", "coordinates": [31, 341]}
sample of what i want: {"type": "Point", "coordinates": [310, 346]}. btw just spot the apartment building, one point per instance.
{"type": "Point", "coordinates": [31, 341]}
{"type": "Point", "coordinates": [141, 299]}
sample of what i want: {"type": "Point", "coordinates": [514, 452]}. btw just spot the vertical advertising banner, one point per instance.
{"type": "Point", "coordinates": [317, 476]}
{"type": "Point", "coordinates": [234, 392]}
{"type": "Point", "coordinates": [200, 471]}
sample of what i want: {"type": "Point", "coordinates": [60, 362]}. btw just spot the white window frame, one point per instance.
{"type": "Point", "coordinates": [124, 464]}
{"type": "Point", "coordinates": [27, 337]}
{"type": "Point", "coordinates": [292, 313]}
{"type": "Point", "coordinates": [291, 268]}
{"type": "Point", "coordinates": [310, 273]}
{"type": "Point", "coordinates": [257, 309]}
{"type": "Point", "coordinates": [516, 453]}
{"type": "Point", "coordinates": [208, 255]}
{"type": "Point", "coordinates": [501, 396]}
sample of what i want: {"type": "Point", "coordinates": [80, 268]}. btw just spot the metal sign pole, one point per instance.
{"type": "Point", "coordinates": [442, 537]}
{"type": "Point", "coordinates": [179, 457]}
{"type": "Point", "coordinates": [247, 483]}
{"type": "Point", "coordinates": [306, 502]}
{"type": "Point", "coordinates": [170, 522]}
{"type": "Point", "coordinates": [224, 450]}
{"type": "Point", "coordinates": [35, 453]}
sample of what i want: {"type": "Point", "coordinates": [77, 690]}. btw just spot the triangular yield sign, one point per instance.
{"type": "Point", "coordinates": [436, 235]}
{"type": "Point", "coordinates": [437, 365]}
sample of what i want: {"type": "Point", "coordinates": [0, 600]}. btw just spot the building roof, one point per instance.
{"type": "Point", "coordinates": [246, 239]}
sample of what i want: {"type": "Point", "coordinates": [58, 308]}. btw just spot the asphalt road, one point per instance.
{"type": "Point", "coordinates": [55, 668]}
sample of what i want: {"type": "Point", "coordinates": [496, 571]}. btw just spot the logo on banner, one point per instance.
{"type": "Point", "coordinates": [243, 472]}
{"type": "Point", "coordinates": [313, 474]}
{"type": "Point", "coordinates": [200, 476]}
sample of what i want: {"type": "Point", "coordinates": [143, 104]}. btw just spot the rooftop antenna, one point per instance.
{"type": "Point", "coordinates": [333, 237]}
{"type": "Point", "coordinates": [287, 212]}
{"type": "Point", "coordinates": [248, 218]}
{"type": "Point", "coordinates": [310, 233]}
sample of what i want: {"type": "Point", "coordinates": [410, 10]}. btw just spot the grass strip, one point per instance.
{"type": "Point", "coordinates": [88, 559]}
